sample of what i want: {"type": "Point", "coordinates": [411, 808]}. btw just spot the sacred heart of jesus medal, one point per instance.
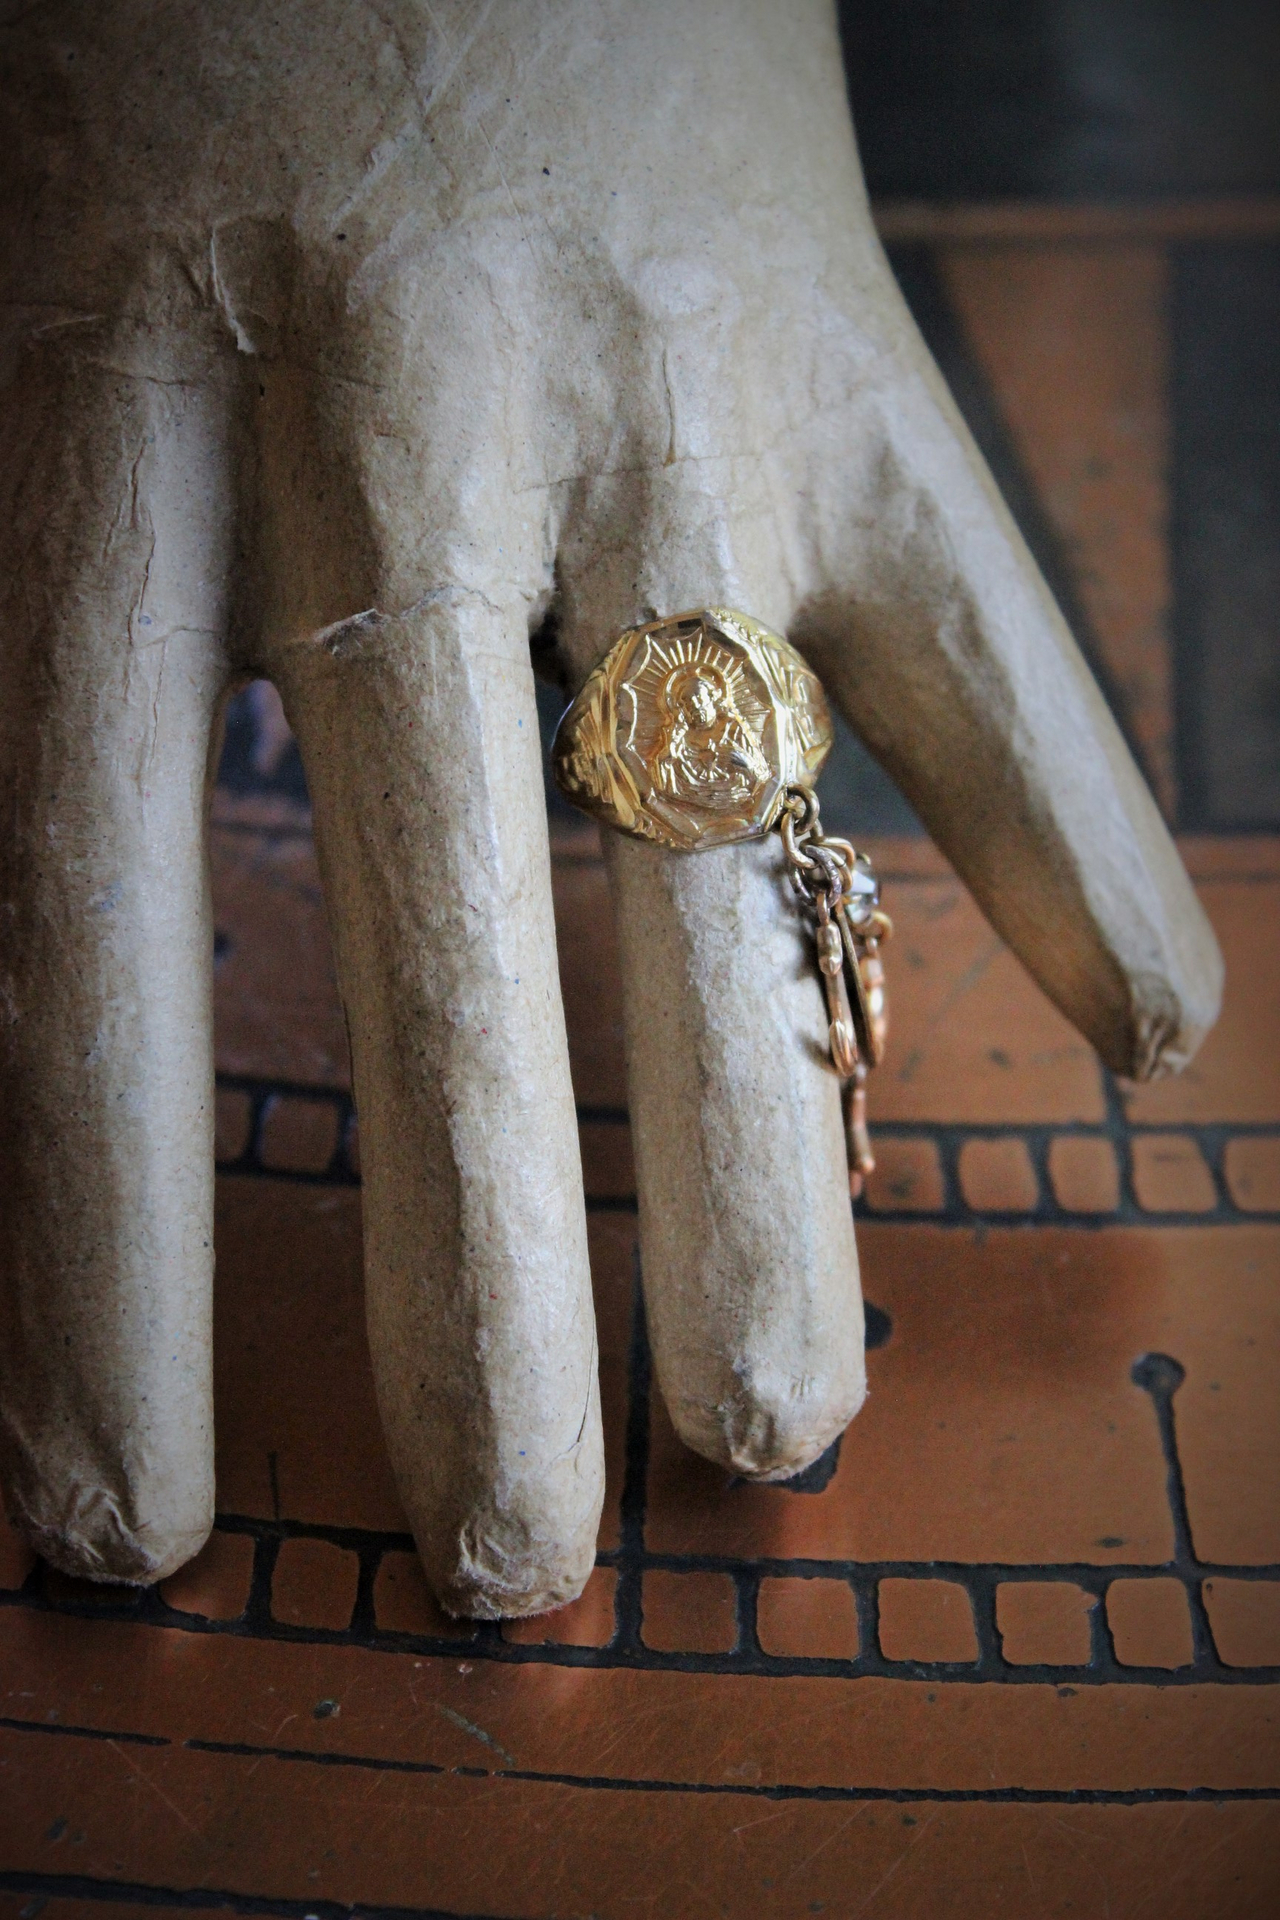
{"type": "Point", "coordinates": [691, 730]}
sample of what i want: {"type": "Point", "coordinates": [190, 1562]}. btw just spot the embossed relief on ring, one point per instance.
{"type": "Point", "coordinates": [691, 728]}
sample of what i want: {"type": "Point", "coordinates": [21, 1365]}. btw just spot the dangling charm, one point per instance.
{"type": "Point", "coordinates": [836, 881]}
{"type": "Point", "coordinates": [831, 964]}
{"type": "Point", "coordinates": [705, 729]}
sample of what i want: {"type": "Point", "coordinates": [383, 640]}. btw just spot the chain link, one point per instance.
{"type": "Point", "coordinates": [837, 884]}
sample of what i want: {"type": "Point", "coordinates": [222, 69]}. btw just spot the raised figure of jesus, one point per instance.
{"type": "Point", "coordinates": [706, 751]}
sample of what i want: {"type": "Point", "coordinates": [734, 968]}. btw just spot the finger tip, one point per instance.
{"type": "Point", "coordinates": [111, 1552]}
{"type": "Point", "coordinates": [1169, 1018]}
{"type": "Point", "coordinates": [512, 1562]}
{"type": "Point", "coordinates": [774, 1431]}
{"type": "Point", "coordinates": [537, 1583]}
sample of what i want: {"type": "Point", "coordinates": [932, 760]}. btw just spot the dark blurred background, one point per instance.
{"type": "Point", "coordinates": [1081, 200]}
{"type": "Point", "coordinates": [1166, 106]}
{"type": "Point", "coordinates": [1065, 99]}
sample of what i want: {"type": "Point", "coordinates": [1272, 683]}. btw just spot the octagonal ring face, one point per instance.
{"type": "Point", "coordinates": [690, 730]}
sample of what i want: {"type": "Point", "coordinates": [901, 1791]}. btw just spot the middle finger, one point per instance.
{"type": "Point", "coordinates": [750, 1267]}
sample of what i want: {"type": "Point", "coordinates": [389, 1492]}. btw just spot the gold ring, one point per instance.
{"type": "Point", "coordinates": [691, 730]}
{"type": "Point", "coordinates": [707, 728]}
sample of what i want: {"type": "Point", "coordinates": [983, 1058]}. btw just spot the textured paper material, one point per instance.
{"type": "Point", "coordinates": [339, 344]}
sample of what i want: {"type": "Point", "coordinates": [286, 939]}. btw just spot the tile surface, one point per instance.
{"type": "Point", "coordinates": [1044, 1622]}
{"type": "Point", "coordinates": [928, 1621]}
{"type": "Point", "coordinates": [1042, 1561]}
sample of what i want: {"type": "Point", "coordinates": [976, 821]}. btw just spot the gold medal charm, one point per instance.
{"type": "Point", "coordinates": [706, 729]}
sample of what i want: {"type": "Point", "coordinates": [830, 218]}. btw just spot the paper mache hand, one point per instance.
{"type": "Point", "coordinates": [343, 345]}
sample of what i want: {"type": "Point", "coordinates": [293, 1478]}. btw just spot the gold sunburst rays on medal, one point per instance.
{"type": "Point", "coordinates": [647, 686]}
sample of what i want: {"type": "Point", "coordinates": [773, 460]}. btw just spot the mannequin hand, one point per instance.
{"type": "Point", "coordinates": [344, 345]}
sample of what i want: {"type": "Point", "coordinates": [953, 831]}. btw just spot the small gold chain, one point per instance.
{"type": "Point", "coordinates": [837, 884]}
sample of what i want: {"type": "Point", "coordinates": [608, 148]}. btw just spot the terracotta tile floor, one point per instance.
{"type": "Point", "coordinates": [1012, 1648]}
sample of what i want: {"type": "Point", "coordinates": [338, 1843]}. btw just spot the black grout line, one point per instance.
{"type": "Point", "coordinates": [257, 1616]}
{"type": "Point", "coordinates": [627, 1650]}
{"type": "Point", "coordinates": [1027, 1796]}
{"type": "Point", "coordinates": [355, 1539]}
{"type": "Point", "coordinates": [630, 1556]}
{"type": "Point", "coordinates": [372, 1763]}
{"type": "Point", "coordinates": [991, 1665]}
{"type": "Point", "coordinates": [77, 1886]}
{"type": "Point", "coordinates": [749, 1790]}
{"type": "Point", "coordinates": [363, 1619]}
{"type": "Point", "coordinates": [734, 1789]}
{"type": "Point", "coordinates": [746, 1608]}
{"type": "Point", "coordinates": [1103, 1669]}
{"type": "Point", "coordinates": [1215, 1155]}
{"type": "Point", "coordinates": [948, 1138]}
{"type": "Point", "coordinates": [85, 1733]}
{"type": "Point", "coordinates": [866, 1599]}
{"type": "Point", "coordinates": [259, 1086]}
{"type": "Point", "coordinates": [1102, 1646]}
{"type": "Point", "coordinates": [1037, 1143]}
{"type": "Point", "coordinates": [1160, 1375]}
